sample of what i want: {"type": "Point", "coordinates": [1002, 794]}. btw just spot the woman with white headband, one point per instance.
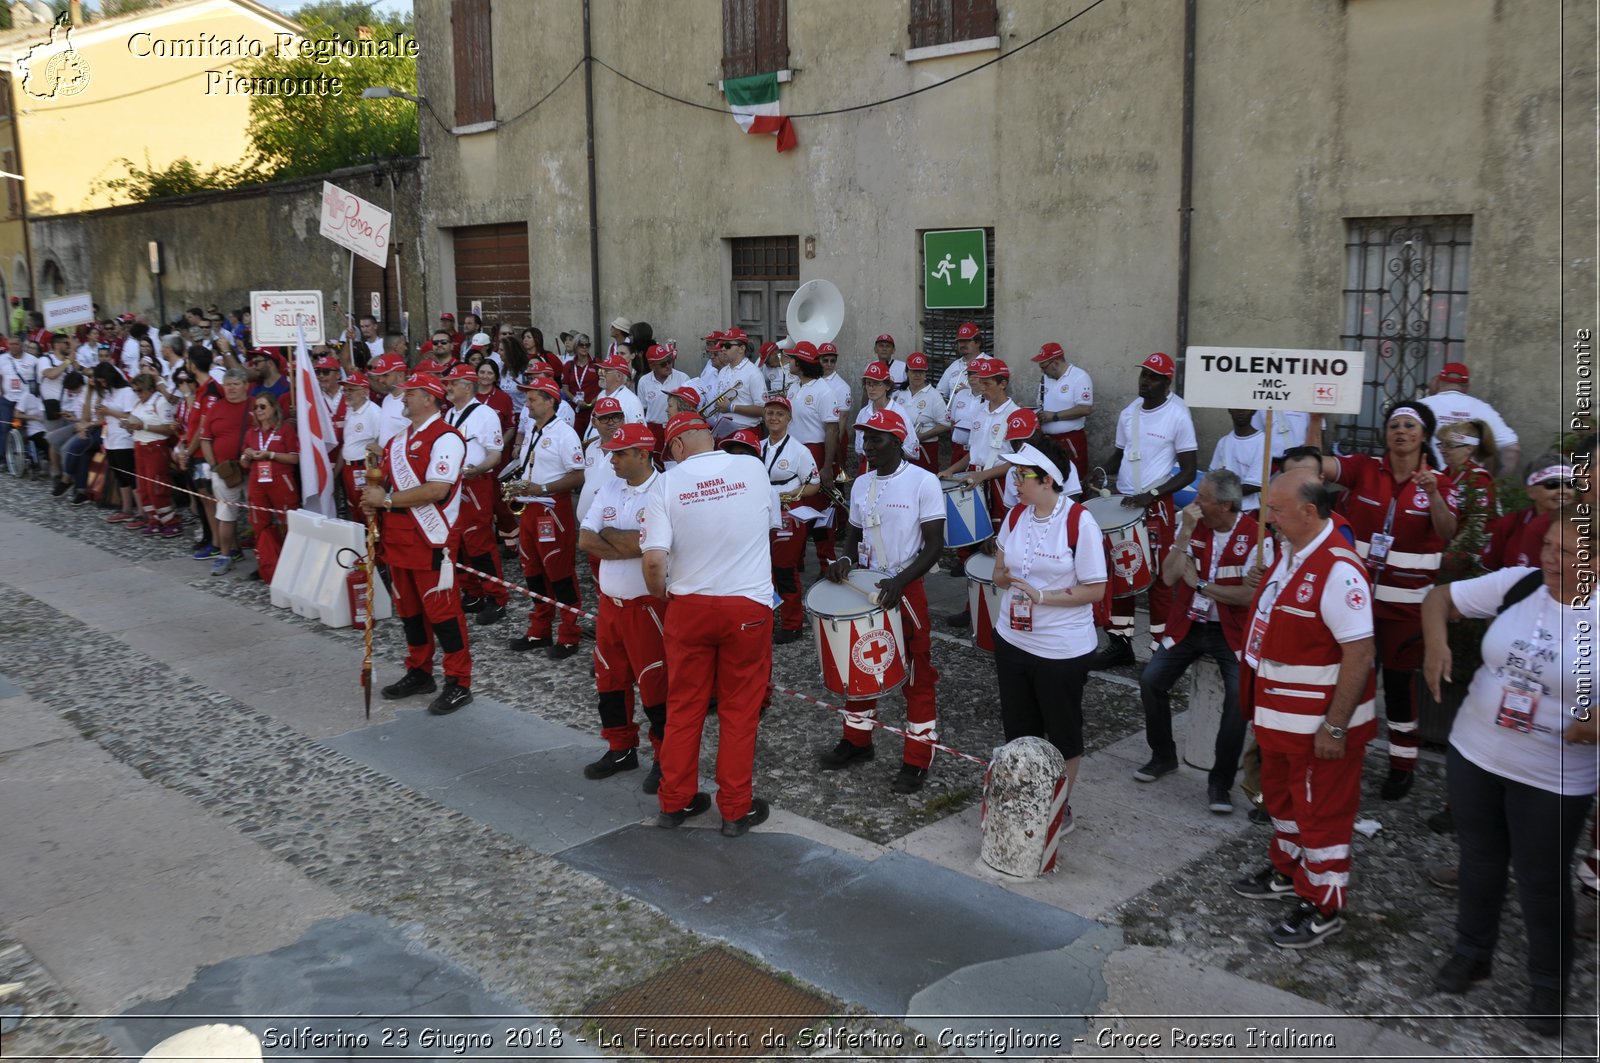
{"type": "Point", "coordinates": [1516, 538]}
{"type": "Point", "coordinates": [1402, 516]}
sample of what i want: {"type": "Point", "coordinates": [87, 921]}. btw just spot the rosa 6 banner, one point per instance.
{"type": "Point", "coordinates": [355, 225]}
{"type": "Point", "coordinates": [1272, 378]}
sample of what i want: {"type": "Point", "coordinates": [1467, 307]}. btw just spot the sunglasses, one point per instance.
{"type": "Point", "coordinates": [1029, 474]}
{"type": "Point", "coordinates": [263, 406]}
{"type": "Point", "coordinates": [1556, 485]}
{"type": "Point", "coordinates": [326, 372]}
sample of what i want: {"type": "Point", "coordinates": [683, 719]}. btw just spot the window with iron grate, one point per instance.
{"type": "Point", "coordinates": [1405, 307]}
{"type": "Point", "coordinates": [766, 258]}
{"type": "Point", "coordinates": [755, 37]}
{"type": "Point", "coordinates": [939, 326]}
{"type": "Point", "coordinates": [948, 21]}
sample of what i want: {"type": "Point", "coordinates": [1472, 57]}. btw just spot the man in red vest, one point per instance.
{"type": "Point", "coordinates": [419, 502]}
{"type": "Point", "coordinates": [1309, 683]}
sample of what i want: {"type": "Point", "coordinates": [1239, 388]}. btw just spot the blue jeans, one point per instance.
{"type": "Point", "coordinates": [1163, 673]}
{"type": "Point", "coordinates": [76, 454]}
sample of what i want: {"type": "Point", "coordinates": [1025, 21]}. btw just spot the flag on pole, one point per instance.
{"type": "Point", "coordinates": [315, 423]}
{"type": "Point", "coordinates": [754, 101]}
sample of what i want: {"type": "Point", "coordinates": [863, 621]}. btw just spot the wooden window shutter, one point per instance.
{"type": "Point", "coordinates": [929, 22]}
{"type": "Point", "coordinates": [8, 159]}
{"type": "Point", "coordinates": [474, 61]}
{"type": "Point", "coordinates": [947, 21]}
{"type": "Point", "coordinates": [973, 19]}
{"type": "Point", "coordinates": [755, 37]}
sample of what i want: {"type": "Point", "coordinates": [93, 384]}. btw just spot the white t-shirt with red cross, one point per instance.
{"type": "Point", "coordinates": [789, 463]}
{"type": "Point", "coordinates": [480, 427]}
{"type": "Point", "coordinates": [548, 454]}
{"type": "Point", "coordinates": [1039, 550]}
{"type": "Point", "coordinates": [617, 505]}
{"type": "Point", "coordinates": [987, 446]}
{"type": "Point", "coordinates": [711, 513]}
{"type": "Point", "coordinates": [1164, 433]}
{"type": "Point", "coordinates": [1072, 388]}
{"type": "Point", "coordinates": [965, 409]}
{"type": "Point", "coordinates": [890, 511]}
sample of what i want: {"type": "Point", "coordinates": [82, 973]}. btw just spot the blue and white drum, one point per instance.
{"type": "Point", "coordinates": [966, 516]}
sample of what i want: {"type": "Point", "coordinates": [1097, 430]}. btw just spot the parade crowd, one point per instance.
{"type": "Point", "coordinates": [1311, 578]}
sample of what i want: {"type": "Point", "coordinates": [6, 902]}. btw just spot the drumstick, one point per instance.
{"type": "Point", "coordinates": [869, 595]}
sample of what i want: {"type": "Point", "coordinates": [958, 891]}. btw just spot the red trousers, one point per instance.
{"type": "Point", "coordinates": [921, 680]}
{"type": "Point", "coordinates": [150, 462]}
{"type": "Point", "coordinates": [1079, 449]}
{"type": "Point", "coordinates": [479, 547]}
{"type": "Point", "coordinates": [426, 612]}
{"type": "Point", "coordinates": [548, 545]}
{"type": "Point", "coordinates": [1313, 804]}
{"type": "Point", "coordinates": [352, 491]}
{"type": "Point", "coordinates": [628, 649]}
{"type": "Point", "coordinates": [788, 552]}
{"type": "Point", "coordinates": [722, 646]}
{"type": "Point", "coordinates": [658, 450]}
{"type": "Point", "coordinates": [278, 496]}
{"type": "Point", "coordinates": [1162, 529]}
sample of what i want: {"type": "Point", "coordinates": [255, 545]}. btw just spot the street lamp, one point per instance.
{"type": "Point", "coordinates": [385, 92]}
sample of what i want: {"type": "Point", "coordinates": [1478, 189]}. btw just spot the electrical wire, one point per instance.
{"type": "Point", "coordinates": [535, 104]}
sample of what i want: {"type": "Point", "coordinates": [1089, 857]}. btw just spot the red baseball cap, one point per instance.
{"type": "Point", "coordinates": [327, 361]}
{"type": "Point", "coordinates": [462, 371]}
{"type": "Point", "coordinates": [608, 407]}
{"type": "Point", "coordinates": [917, 360]}
{"type": "Point", "coordinates": [968, 331]}
{"type": "Point", "coordinates": [631, 435]}
{"type": "Point", "coordinates": [885, 338]}
{"type": "Point", "coordinates": [386, 363]}
{"type": "Point", "coordinates": [876, 371]}
{"type": "Point", "coordinates": [887, 421]}
{"type": "Point", "coordinates": [747, 436]}
{"type": "Point", "coordinates": [1049, 353]}
{"type": "Point", "coordinates": [805, 351]}
{"type": "Point", "coordinates": [827, 348]}
{"type": "Point", "coordinates": [987, 367]}
{"type": "Point", "coordinates": [687, 394]}
{"type": "Point", "coordinates": [126, 319]}
{"type": "Point", "coordinates": [767, 349]}
{"type": "Point", "coordinates": [1160, 363]}
{"type": "Point", "coordinates": [736, 335]}
{"type": "Point", "coordinates": [357, 379]}
{"type": "Point", "coordinates": [681, 423]}
{"type": "Point", "coordinates": [1022, 424]}
{"type": "Point", "coordinates": [426, 348]}
{"type": "Point", "coordinates": [617, 363]}
{"type": "Point", "coordinates": [659, 353]}
{"type": "Point", "coordinates": [434, 366]}
{"type": "Point", "coordinates": [543, 385]}
{"type": "Point", "coordinates": [714, 336]}
{"type": "Point", "coordinates": [779, 400]}
{"type": "Point", "coordinates": [447, 316]}
{"type": "Point", "coordinates": [424, 382]}
{"type": "Point", "coordinates": [1454, 373]}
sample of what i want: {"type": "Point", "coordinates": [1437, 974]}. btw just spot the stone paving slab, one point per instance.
{"type": "Point", "coordinates": [873, 934]}
{"type": "Point", "coordinates": [359, 982]}
{"type": "Point", "coordinates": [24, 722]}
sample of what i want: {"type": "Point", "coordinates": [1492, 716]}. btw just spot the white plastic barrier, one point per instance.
{"type": "Point", "coordinates": [1024, 803]}
{"type": "Point", "coordinates": [317, 554]}
{"type": "Point", "coordinates": [1205, 714]}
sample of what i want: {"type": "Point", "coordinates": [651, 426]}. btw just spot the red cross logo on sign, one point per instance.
{"type": "Point", "coordinates": [1325, 394]}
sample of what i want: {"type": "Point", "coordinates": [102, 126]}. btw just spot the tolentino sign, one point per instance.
{"type": "Point", "coordinates": [1260, 378]}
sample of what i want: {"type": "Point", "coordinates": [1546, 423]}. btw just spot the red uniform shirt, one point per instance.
{"type": "Point", "coordinates": [1377, 504]}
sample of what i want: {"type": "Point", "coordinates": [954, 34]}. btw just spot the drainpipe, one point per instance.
{"type": "Point", "coordinates": [1186, 190]}
{"type": "Point", "coordinates": [594, 217]}
{"type": "Point", "coordinates": [22, 191]}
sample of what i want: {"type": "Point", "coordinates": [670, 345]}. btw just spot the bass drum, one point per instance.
{"type": "Point", "coordinates": [858, 641]}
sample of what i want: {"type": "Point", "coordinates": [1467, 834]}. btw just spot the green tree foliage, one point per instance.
{"type": "Point", "coordinates": [179, 178]}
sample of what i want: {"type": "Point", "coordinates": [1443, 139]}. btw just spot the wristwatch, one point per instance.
{"type": "Point", "coordinates": [1201, 585]}
{"type": "Point", "coordinates": [388, 499]}
{"type": "Point", "coordinates": [1333, 732]}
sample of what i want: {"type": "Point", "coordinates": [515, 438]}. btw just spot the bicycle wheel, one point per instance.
{"type": "Point", "coordinates": [16, 453]}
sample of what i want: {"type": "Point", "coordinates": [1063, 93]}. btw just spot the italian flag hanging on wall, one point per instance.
{"type": "Point", "coordinates": [754, 101]}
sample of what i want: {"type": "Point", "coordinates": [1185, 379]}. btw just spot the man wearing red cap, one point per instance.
{"type": "Point", "coordinates": [447, 324]}
{"type": "Point", "coordinates": [875, 385]}
{"type": "Point", "coordinates": [969, 345]}
{"type": "Point", "coordinates": [550, 461]}
{"type": "Point", "coordinates": [709, 515]}
{"type": "Point", "coordinates": [628, 646]}
{"type": "Point", "coordinates": [615, 372]}
{"type": "Point", "coordinates": [420, 499]}
{"type": "Point", "coordinates": [930, 414]}
{"type": "Point", "coordinates": [597, 470]}
{"type": "Point", "coordinates": [479, 425]}
{"type": "Point", "coordinates": [385, 374]}
{"type": "Point", "coordinates": [741, 387]}
{"type": "Point", "coordinates": [883, 351]}
{"type": "Point", "coordinates": [1066, 397]}
{"type": "Point", "coordinates": [897, 528]}
{"type": "Point", "coordinates": [1154, 431]}
{"type": "Point", "coordinates": [793, 472]}
{"type": "Point", "coordinates": [774, 370]}
{"type": "Point", "coordinates": [1451, 404]}
{"type": "Point", "coordinates": [359, 432]}
{"type": "Point", "coordinates": [655, 386]}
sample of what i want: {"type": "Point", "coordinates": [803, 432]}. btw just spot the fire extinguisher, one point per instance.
{"type": "Point", "coordinates": [355, 587]}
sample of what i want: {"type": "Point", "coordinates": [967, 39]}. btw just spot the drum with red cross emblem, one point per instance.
{"type": "Point", "coordinates": [1127, 544]}
{"type": "Point", "coordinates": [860, 643]}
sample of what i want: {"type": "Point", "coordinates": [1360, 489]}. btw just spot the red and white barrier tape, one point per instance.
{"type": "Point", "coordinates": [880, 725]}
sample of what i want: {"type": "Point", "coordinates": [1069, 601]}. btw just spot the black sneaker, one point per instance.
{"type": "Point", "coordinates": [1156, 767]}
{"type": "Point", "coordinates": [452, 697]}
{"type": "Point", "coordinates": [1268, 884]}
{"type": "Point", "coordinates": [471, 603]}
{"type": "Point", "coordinates": [652, 778]}
{"type": "Point", "coordinates": [1397, 785]}
{"type": "Point", "coordinates": [844, 754]}
{"type": "Point", "coordinates": [1260, 815]}
{"type": "Point", "coordinates": [1306, 927]}
{"type": "Point", "coordinates": [669, 820]}
{"type": "Point", "coordinates": [1117, 654]}
{"type": "Point", "coordinates": [561, 651]}
{"type": "Point", "coordinates": [80, 499]}
{"type": "Point", "coordinates": [1217, 799]}
{"type": "Point", "coordinates": [1442, 821]}
{"type": "Point", "coordinates": [1460, 971]}
{"type": "Point", "coordinates": [1544, 1011]}
{"type": "Point", "coordinates": [909, 779]}
{"type": "Point", "coordinates": [732, 828]}
{"type": "Point", "coordinates": [613, 761]}
{"type": "Point", "coordinates": [961, 620]}
{"type": "Point", "coordinates": [783, 637]}
{"type": "Point", "coordinates": [415, 681]}
{"type": "Point", "coordinates": [59, 489]}
{"type": "Point", "coordinates": [491, 613]}
{"type": "Point", "coordinates": [528, 642]}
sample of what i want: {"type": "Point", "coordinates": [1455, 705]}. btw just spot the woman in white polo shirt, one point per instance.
{"type": "Point", "coordinates": [1052, 568]}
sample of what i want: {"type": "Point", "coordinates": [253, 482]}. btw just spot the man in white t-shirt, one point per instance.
{"type": "Point", "coordinates": [359, 437]}
{"type": "Point", "coordinates": [654, 387]}
{"type": "Point", "coordinates": [896, 528]}
{"type": "Point", "coordinates": [883, 351]}
{"type": "Point", "coordinates": [1289, 429]}
{"type": "Point", "coordinates": [705, 554]}
{"type": "Point", "coordinates": [17, 372]}
{"type": "Point", "coordinates": [479, 425]}
{"type": "Point", "coordinates": [930, 414]}
{"type": "Point", "coordinates": [1243, 452]}
{"type": "Point", "coordinates": [1154, 432]}
{"type": "Point", "coordinates": [385, 374]}
{"type": "Point", "coordinates": [615, 372]}
{"type": "Point", "coordinates": [1451, 403]}
{"type": "Point", "coordinates": [628, 645]}
{"type": "Point", "coordinates": [741, 386]}
{"type": "Point", "coordinates": [1066, 397]}
{"type": "Point", "coordinates": [969, 345]}
{"type": "Point", "coordinates": [550, 461]}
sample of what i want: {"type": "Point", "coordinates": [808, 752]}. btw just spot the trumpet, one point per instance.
{"type": "Point", "coordinates": [510, 490]}
{"type": "Point", "coordinates": [835, 490]}
{"type": "Point", "coordinates": [710, 405]}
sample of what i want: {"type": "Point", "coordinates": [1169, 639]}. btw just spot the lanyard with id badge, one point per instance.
{"type": "Point", "coordinates": [1019, 610]}
{"type": "Point", "coordinates": [1520, 685]}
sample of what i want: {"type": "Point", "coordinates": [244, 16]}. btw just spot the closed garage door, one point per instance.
{"type": "Point", "coordinates": [492, 266]}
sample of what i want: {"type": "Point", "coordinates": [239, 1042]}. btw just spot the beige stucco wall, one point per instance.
{"type": "Point", "coordinates": [1308, 113]}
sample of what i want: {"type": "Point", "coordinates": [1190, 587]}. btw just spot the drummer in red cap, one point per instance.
{"type": "Point", "coordinates": [793, 472]}
{"type": "Point", "coordinates": [628, 645]}
{"type": "Point", "coordinates": [1154, 432]}
{"type": "Point", "coordinates": [615, 372]}
{"type": "Point", "coordinates": [656, 385]}
{"type": "Point", "coordinates": [362, 419]}
{"type": "Point", "coordinates": [420, 502]}
{"type": "Point", "coordinates": [479, 425]}
{"type": "Point", "coordinates": [1066, 397]}
{"type": "Point", "coordinates": [705, 554]}
{"type": "Point", "coordinates": [896, 527]}
{"type": "Point", "coordinates": [883, 351]}
{"type": "Point", "coordinates": [550, 464]}
{"type": "Point", "coordinates": [930, 414]}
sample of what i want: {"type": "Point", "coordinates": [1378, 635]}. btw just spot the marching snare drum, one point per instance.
{"type": "Point", "coordinates": [983, 600]}
{"type": "Point", "coordinates": [858, 640]}
{"type": "Point", "coordinates": [966, 515]}
{"type": "Point", "coordinates": [1127, 545]}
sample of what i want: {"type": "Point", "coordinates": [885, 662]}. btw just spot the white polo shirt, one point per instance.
{"type": "Point", "coordinates": [908, 447]}
{"type": "Point", "coordinates": [547, 454]}
{"type": "Point", "coordinates": [710, 514]}
{"type": "Point", "coordinates": [953, 378]}
{"type": "Point", "coordinates": [928, 408]}
{"type": "Point", "coordinates": [812, 407]}
{"type": "Point", "coordinates": [155, 410]}
{"type": "Point", "coordinates": [394, 419]}
{"type": "Point", "coordinates": [1072, 388]}
{"type": "Point", "coordinates": [1451, 406]}
{"type": "Point", "coordinates": [1164, 433]}
{"type": "Point", "coordinates": [965, 408]}
{"type": "Point", "coordinates": [987, 446]}
{"type": "Point", "coordinates": [480, 426]}
{"type": "Point", "coordinates": [597, 471]}
{"type": "Point", "coordinates": [632, 408]}
{"type": "Point", "coordinates": [616, 505]}
{"type": "Point", "coordinates": [653, 394]}
{"type": "Point", "coordinates": [1244, 456]}
{"type": "Point", "coordinates": [890, 511]}
{"type": "Point", "coordinates": [750, 389]}
{"type": "Point", "coordinates": [842, 400]}
{"type": "Point", "coordinates": [360, 428]}
{"type": "Point", "coordinates": [790, 465]}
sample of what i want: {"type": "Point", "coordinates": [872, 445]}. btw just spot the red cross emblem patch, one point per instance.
{"type": "Point", "coordinates": [1355, 598]}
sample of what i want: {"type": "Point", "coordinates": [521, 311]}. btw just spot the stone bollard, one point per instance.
{"type": "Point", "coordinates": [1205, 714]}
{"type": "Point", "coordinates": [206, 1044]}
{"type": "Point", "coordinates": [1024, 801]}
